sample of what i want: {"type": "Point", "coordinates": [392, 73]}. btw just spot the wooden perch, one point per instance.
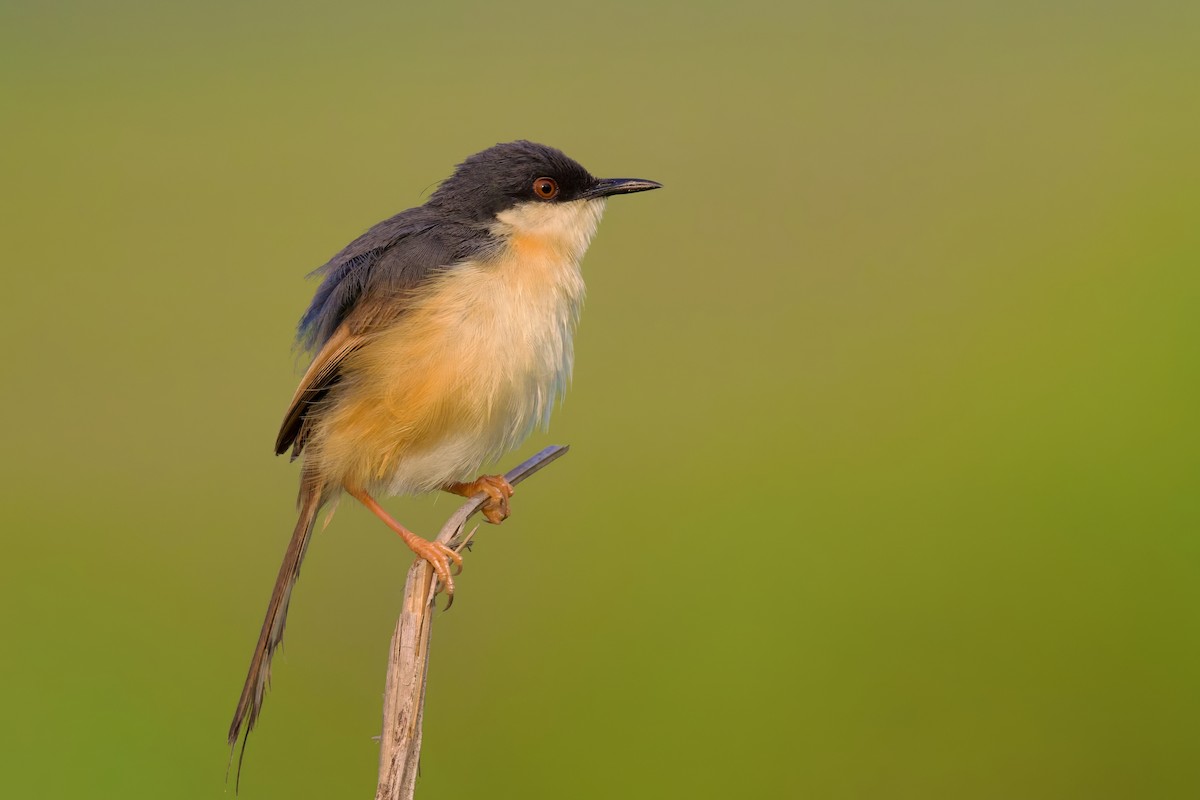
{"type": "Point", "coordinates": [408, 661]}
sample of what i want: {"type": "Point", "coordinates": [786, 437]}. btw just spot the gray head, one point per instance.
{"type": "Point", "coordinates": [514, 173]}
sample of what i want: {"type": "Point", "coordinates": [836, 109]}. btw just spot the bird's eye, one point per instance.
{"type": "Point", "coordinates": [546, 188]}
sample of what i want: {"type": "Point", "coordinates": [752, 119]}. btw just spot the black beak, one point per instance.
{"type": "Point", "coordinates": [606, 187]}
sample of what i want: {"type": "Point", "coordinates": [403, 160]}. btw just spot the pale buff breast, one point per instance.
{"type": "Point", "coordinates": [473, 368]}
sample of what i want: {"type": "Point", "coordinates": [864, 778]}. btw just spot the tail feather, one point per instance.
{"type": "Point", "coordinates": [250, 703]}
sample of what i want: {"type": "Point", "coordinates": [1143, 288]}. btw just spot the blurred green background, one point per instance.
{"type": "Point", "coordinates": [883, 479]}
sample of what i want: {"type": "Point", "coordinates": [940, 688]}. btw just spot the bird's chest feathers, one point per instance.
{"type": "Point", "coordinates": [526, 297]}
{"type": "Point", "coordinates": [503, 325]}
{"type": "Point", "coordinates": [515, 314]}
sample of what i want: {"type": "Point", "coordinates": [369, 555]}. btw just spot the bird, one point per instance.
{"type": "Point", "coordinates": [441, 339]}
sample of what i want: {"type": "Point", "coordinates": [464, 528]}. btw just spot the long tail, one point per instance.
{"type": "Point", "coordinates": [250, 703]}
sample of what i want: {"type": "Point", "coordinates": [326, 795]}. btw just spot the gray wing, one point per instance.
{"type": "Point", "coordinates": [370, 282]}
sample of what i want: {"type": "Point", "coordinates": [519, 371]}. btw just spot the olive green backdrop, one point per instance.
{"type": "Point", "coordinates": [883, 479]}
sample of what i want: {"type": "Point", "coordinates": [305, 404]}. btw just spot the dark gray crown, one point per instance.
{"type": "Point", "coordinates": [502, 176]}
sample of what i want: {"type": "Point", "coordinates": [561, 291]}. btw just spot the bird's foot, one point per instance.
{"type": "Point", "coordinates": [495, 508]}
{"type": "Point", "coordinates": [439, 557]}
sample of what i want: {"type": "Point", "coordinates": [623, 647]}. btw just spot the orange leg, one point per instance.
{"type": "Point", "coordinates": [437, 554]}
{"type": "Point", "coordinates": [498, 490]}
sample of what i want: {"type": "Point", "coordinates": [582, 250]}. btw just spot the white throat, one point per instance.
{"type": "Point", "coordinates": [565, 228]}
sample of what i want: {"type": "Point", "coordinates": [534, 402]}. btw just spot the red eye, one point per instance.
{"type": "Point", "coordinates": [546, 188]}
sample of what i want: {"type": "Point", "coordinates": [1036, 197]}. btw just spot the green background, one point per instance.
{"type": "Point", "coordinates": [883, 479]}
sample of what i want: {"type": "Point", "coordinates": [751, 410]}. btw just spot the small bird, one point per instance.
{"type": "Point", "coordinates": [442, 338]}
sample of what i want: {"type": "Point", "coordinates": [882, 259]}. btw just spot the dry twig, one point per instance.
{"type": "Point", "coordinates": [408, 661]}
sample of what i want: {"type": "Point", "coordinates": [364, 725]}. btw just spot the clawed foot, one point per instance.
{"type": "Point", "coordinates": [495, 508]}
{"type": "Point", "coordinates": [439, 557]}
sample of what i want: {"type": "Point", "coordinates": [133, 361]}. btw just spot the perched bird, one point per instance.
{"type": "Point", "coordinates": [442, 337]}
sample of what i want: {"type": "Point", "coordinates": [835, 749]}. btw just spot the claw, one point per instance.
{"type": "Point", "coordinates": [453, 555]}
{"type": "Point", "coordinates": [442, 568]}
{"type": "Point", "coordinates": [439, 557]}
{"type": "Point", "coordinates": [495, 509]}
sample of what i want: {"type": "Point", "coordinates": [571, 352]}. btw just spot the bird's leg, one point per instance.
{"type": "Point", "coordinates": [495, 508]}
{"type": "Point", "coordinates": [437, 554]}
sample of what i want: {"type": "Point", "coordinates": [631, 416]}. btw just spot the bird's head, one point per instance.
{"type": "Point", "coordinates": [530, 189]}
